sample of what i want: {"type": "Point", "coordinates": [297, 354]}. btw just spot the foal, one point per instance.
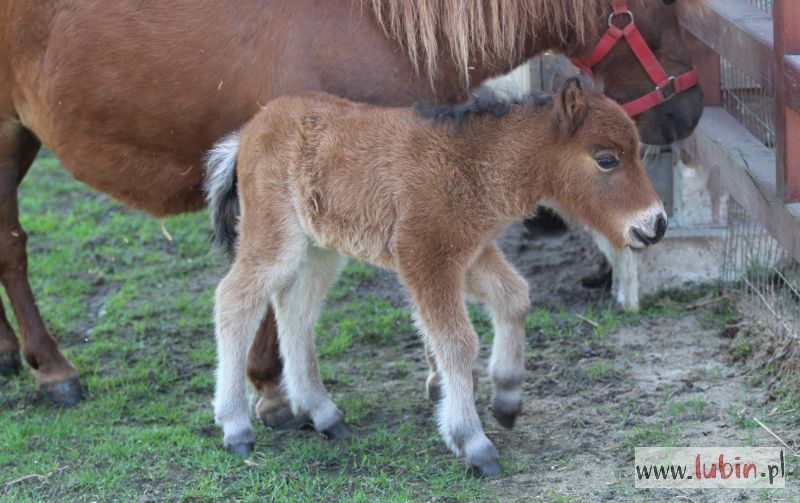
{"type": "Point", "coordinates": [424, 192]}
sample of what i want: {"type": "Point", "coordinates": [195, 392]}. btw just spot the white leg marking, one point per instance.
{"type": "Point", "coordinates": [454, 345]}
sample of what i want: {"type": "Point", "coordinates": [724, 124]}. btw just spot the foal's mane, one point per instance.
{"type": "Point", "coordinates": [482, 102]}
{"type": "Point", "coordinates": [495, 30]}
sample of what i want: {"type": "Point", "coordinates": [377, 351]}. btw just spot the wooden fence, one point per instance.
{"type": "Point", "coordinates": [748, 55]}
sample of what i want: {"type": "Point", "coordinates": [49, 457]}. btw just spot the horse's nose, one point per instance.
{"type": "Point", "coordinates": [661, 227]}
{"type": "Point", "coordinates": [651, 232]}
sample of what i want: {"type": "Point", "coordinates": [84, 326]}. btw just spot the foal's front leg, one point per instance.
{"type": "Point", "coordinates": [442, 315]}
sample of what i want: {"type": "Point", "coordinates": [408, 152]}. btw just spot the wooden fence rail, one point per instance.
{"type": "Point", "coordinates": [767, 49]}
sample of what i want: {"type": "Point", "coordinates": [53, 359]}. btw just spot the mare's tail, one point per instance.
{"type": "Point", "coordinates": [222, 195]}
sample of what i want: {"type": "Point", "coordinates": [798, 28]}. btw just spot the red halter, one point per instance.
{"type": "Point", "coordinates": [666, 86]}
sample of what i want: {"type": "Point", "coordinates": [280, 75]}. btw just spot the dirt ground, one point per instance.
{"type": "Point", "coordinates": [665, 378]}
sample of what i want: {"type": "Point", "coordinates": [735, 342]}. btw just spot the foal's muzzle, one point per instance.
{"type": "Point", "coordinates": [642, 236]}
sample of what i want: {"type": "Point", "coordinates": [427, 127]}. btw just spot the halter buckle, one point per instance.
{"type": "Point", "coordinates": [615, 14]}
{"type": "Point", "coordinates": [668, 91]}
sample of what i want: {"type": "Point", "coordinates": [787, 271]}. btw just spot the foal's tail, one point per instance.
{"type": "Point", "coordinates": [222, 196]}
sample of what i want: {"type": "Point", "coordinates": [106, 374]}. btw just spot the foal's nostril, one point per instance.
{"type": "Point", "coordinates": [661, 228]}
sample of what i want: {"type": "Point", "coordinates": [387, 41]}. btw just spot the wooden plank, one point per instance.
{"type": "Point", "coordinates": [739, 32]}
{"type": "Point", "coordinates": [708, 69]}
{"type": "Point", "coordinates": [788, 175]}
{"type": "Point", "coordinates": [745, 168]}
{"type": "Point", "coordinates": [786, 42]}
{"type": "Point", "coordinates": [791, 81]}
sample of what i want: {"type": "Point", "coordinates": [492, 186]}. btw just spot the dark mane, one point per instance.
{"type": "Point", "coordinates": [481, 102]}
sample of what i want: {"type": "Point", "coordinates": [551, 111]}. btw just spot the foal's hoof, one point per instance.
{"type": "Point", "coordinates": [240, 444]}
{"type": "Point", "coordinates": [242, 450]}
{"type": "Point", "coordinates": [337, 431]}
{"type": "Point", "coordinates": [488, 469]}
{"type": "Point", "coordinates": [433, 391]}
{"type": "Point", "coordinates": [10, 363]}
{"type": "Point", "coordinates": [505, 419]}
{"type": "Point", "coordinates": [65, 393]}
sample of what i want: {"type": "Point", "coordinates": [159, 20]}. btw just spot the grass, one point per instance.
{"type": "Point", "coordinates": [132, 311]}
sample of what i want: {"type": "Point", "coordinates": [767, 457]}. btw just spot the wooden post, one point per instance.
{"type": "Point", "coordinates": [708, 70]}
{"type": "Point", "coordinates": [786, 30]}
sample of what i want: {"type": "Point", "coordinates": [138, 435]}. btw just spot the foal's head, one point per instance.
{"type": "Point", "coordinates": [599, 177]}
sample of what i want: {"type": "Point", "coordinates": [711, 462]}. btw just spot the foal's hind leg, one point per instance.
{"type": "Point", "coordinates": [54, 374]}
{"type": "Point", "coordinates": [297, 307]}
{"type": "Point", "coordinates": [241, 302]}
{"type": "Point", "coordinates": [493, 281]}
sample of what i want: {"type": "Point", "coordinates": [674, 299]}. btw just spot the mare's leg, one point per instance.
{"type": "Point", "coordinates": [492, 280]}
{"type": "Point", "coordinates": [297, 308]}
{"type": "Point", "coordinates": [442, 315]}
{"type": "Point", "coordinates": [264, 369]}
{"type": "Point", "coordinates": [54, 374]}
{"type": "Point", "coordinates": [10, 363]}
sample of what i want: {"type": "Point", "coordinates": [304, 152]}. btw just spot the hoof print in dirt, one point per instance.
{"type": "Point", "coordinates": [337, 431]}
{"type": "Point", "coordinates": [10, 363]}
{"type": "Point", "coordinates": [64, 393]}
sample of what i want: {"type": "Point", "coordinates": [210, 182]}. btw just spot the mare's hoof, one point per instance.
{"type": "Point", "coordinates": [488, 469]}
{"type": "Point", "coordinates": [282, 419]}
{"type": "Point", "coordinates": [600, 280]}
{"type": "Point", "coordinates": [65, 393]}
{"type": "Point", "coordinates": [505, 419]}
{"type": "Point", "coordinates": [337, 431]}
{"type": "Point", "coordinates": [10, 363]}
{"type": "Point", "coordinates": [242, 450]}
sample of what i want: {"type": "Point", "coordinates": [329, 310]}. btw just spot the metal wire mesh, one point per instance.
{"type": "Point", "coordinates": [763, 273]}
{"type": "Point", "coordinates": [749, 102]}
{"type": "Point", "coordinates": [764, 5]}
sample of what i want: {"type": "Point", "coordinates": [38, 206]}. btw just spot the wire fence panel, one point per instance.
{"type": "Point", "coordinates": [749, 102]}
{"type": "Point", "coordinates": [763, 273]}
{"type": "Point", "coordinates": [764, 5]}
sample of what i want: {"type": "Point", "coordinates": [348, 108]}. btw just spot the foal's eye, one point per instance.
{"type": "Point", "coordinates": [607, 162]}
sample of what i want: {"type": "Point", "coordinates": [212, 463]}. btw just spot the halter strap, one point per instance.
{"type": "Point", "coordinates": [666, 86]}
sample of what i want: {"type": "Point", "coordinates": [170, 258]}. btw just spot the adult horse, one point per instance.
{"type": "Point", "coordinates": [129, 95]}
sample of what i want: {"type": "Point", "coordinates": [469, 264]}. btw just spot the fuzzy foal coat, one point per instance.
{"type": "Point", "coordinates": [320, 175]}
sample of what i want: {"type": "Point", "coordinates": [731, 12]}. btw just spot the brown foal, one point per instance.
{"type": "Point", "coordinates": [424, 192]}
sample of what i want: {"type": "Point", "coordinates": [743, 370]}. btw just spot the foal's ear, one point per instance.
{"type": "Point", "coordinates": [573, 106]}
